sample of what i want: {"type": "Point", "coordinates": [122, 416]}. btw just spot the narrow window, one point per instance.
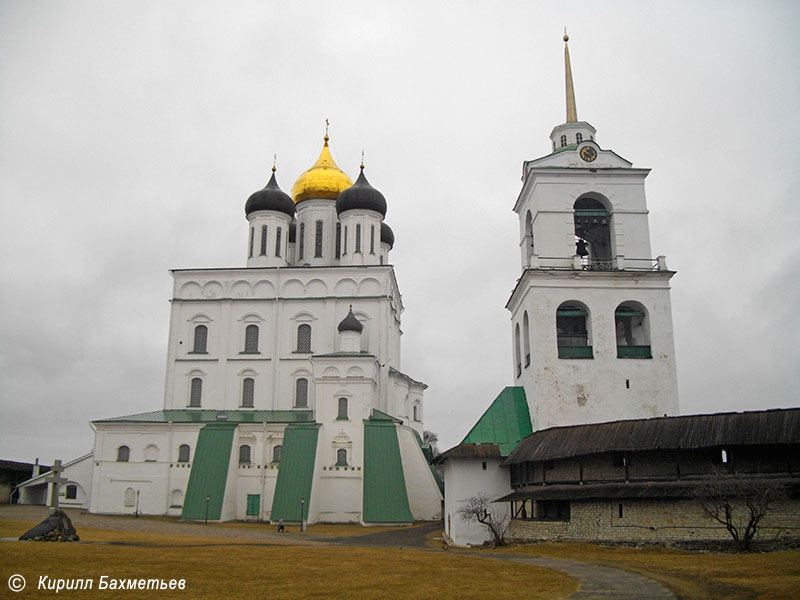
{"type": "Point", "coordinates": [130, 497]}
{"type": "Point", "coordinates": [619, 510]}
{"type": "Point", "coordinates": [318, 240]}
{"type": "Point", "coordinates": [252, 237]}
{"type": "Point", "coordinates": [72, 492]}
{"type": "Point", "coordinates": [301, 241]}
{"type": "Point", "coordinates": [517, 351]}
{"type": "Point", "coordinates": [304, 338]}
{"type": "Point", "coordinates": [123, 454]}
{"type": "Point", "coordinates": [200, 339]}
{"type": "Point", "coordinates": [526, 339]}
{"type": "Point", "coordinates": [248, 391]}
{"type": "Point", "coordinates": [263, 240]}
{"type": "Point", "coordinates": [301, 393]}
{"type": "Point", "coordinates": [338, 240]}
{"type": "Point", "coordinates": [344, 242]}
{"type": "Point", "coordinates": [341, 457]}
{"type": "Point", "coordinates": [276, 453]}
{"type": "Point", "coordinates": [183, 453]}
{"type": "Point", "coordinates": [579, 137]}
{"type": "Point", "coordinates": [196, 392]}
{"type": "Point", "coordinates": [244, 454]}
{"type": "Point", "coordinates": [563, 141]}
{"type": "Point", "coordinates": [416, 412]}
{"type": "Point", "coordinates": [724, 457]}
{"type": "Point", "coordinates": [251, 339]}
{"type": "Point", "coordinates": [358, 238]}
{"type": "Point", "coordinates": [342, 409]}
{"type": "Point", "coordinates": [278, 242]}
{"type": "Point", "coordinates": [571, 332]}
{"type": "Point", "coordinates": [483, 465]}
{"type": "Point", "coordinates": [372, 239]}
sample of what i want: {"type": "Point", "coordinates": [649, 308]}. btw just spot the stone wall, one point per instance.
{"type": "Point", "coordinates": [658, 521]}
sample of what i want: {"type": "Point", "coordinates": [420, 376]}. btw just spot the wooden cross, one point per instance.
{"type": "Point", "coordinates": [55, 479]}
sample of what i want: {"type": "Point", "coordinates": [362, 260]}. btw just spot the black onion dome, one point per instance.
{"type": "Point", "coordinates": [361, 195]}
{"type": "Point", "coordinates": [271, 197]}
{"type": "Point", "coordinates": [387, 235]}
{"type": "Point", "coordinates": [350, 323]}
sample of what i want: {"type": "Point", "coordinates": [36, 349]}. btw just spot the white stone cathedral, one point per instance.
{"type": "Point", "coordinates": [284, 397]}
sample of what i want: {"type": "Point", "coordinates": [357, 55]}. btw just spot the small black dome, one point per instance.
{"type": "Point", "coordinates": [387, 235]}
{"type": "Point", "coordinates": [361, 195]}
{"type": "Point", "coordinates": [270, 198]}
{"type": "Point", "coordinates": [350, 323]}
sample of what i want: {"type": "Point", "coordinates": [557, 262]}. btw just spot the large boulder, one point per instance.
{"type": "Point", "coordinates": [55, 528]}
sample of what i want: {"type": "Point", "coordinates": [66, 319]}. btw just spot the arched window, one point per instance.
{"type": "Point", "coordinates": [276, 453]}
{"type": "Point", "coordinates": [416, 412]}
{"type": "Point", "coordinates": [251, 339]}
{"type": "Point", "coordinates": [633, 331]}
{"type": "Point", "coordinates": [342, 414]}
{"type": "Point", "coordinates": [358, 238]}
{"type": "Point", "coordinates": [130, 497]}
{"type": "Point", "coordinates": [301, 241]}
{"type": "Point", "coordinates": [252, 238]}
{"type": "Point", "coordinates": [304, 337]}
{"type": "Point", "coordinates": [176, 499]}
{"type": "Point", "coordinates": [341, 457]}
{"type": "Point", "coordinates": [338, 240]}
{"type": "Point", "coordinates": [72, 492]}
{"type": "Point", "coordinates": [244, 454]}
{"type": "Point", "coordinates": [344, 242]}
{"type": "Point", "coordinates": [301, 393]}
{"type": "Point", "coordinates": [572, 331]}
{"type": "Point", "coordinates": [372, 239]}
{"type": "Point", "coordinates": [318, 240]}
{"type": "Point", "coordinates": [200, 339]}
{"type": "Point", "coordinates": [526, 338]}
{"type": "Point", "coordinates": [183, 453]}
{"type": "Point", "coordinates": [248, 391]}
{"type": "Point", "coordinates": [517, 350]}
{"type": "Point", "coordinates": [528, 234]}
{"type": "Point", "coordinates": [579, 137]}
{"type": "Point", "coordinates": [593, 234]}
{"type": "Point", "coordinates": [278, 242]}
{"type": "Point", "coordinates": [123, 454]}
{"type": "Point", "coordinates": [196, 392]}
{"type": "Point", "coordinates": [263, 240]}
{"type": "Point", "coordinates": [563, 141]}
{"type": "Point", "coordinates": [151, 453]}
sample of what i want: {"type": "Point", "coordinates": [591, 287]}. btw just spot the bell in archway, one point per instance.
{"type": "Point", "coordinates": [580, 248]}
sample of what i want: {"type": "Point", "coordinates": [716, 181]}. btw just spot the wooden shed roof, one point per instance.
{"type": "Point", "coordinates": [778, 426]}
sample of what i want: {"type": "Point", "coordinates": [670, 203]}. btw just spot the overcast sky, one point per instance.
{"type": "Point", "coordinates": [132, 133]}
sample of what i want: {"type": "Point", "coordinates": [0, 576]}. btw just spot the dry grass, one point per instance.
{"type": "Point", "coordinates": [229, 570]}
{"type": "Point", "coordinates": [690, 574]}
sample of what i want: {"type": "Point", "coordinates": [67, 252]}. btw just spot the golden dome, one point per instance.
{"type": "Point", "coordinates": [323, 180]}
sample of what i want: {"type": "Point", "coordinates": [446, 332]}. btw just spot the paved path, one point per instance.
{"type": "Point", "coordinates": [595, 581]}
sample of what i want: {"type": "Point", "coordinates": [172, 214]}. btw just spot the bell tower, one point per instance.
{"type": "Point", "coordinates": [591, 316]}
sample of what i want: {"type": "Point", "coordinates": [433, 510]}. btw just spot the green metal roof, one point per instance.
{"type": "Point", "coordinates": [215, 416]}
{"type": "Point", "coordinates": [385, 499]}
{"type": "Point", "coordinates": [209, 472]}
{"type": "Point", "coordinates": [296, 471]}
{"type": "Point", "coordinates": [504, 423]}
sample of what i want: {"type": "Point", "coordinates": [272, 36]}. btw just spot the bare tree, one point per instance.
{"type": "Point", "coordinates": [430, 438]}
{"type": "Point", "coordinates": [478, 508]}
{"type": "Point", "coordinates": [739, 502]}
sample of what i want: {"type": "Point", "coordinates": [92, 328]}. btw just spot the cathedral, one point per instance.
{"type": "Point", "coordinates": [284, 395]}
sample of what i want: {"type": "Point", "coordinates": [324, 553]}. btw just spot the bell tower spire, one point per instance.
{"type": "Point", "coordinates": [572, 111]}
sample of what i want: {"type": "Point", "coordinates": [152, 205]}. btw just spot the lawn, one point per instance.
{"type": "Point", "coordinates": [217, 568]}
{"type": "Point", "coordinates": [689, 574]}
